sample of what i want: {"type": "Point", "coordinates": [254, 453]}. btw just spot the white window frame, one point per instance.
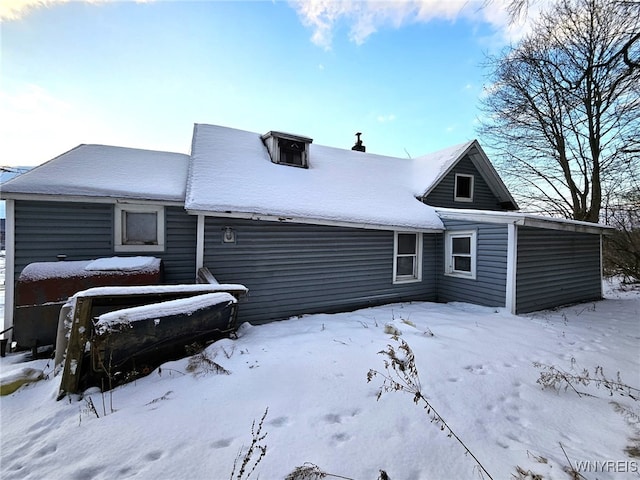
{"type": "Point", "coordinates": [449, 265]}
{"type": "Point", "coordinates": [417, 276]}
{"type": "Point", "coordinates": [456, 198]}
{"type": "Point", "coordinates": [120, 212]}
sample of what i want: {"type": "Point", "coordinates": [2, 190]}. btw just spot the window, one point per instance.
{"type": "Point", "coordinates": [460, 254]}
{"type": "Point", "coordinates": [463, 188]}
{"type": "Point", "coordinates": [287, 149]}
{"type": "Point", "coordinates": [292, 152]}
{"type": "Point", "coordinates": [407, 257]}
{"type": "Point", "coordinates": [139, 228]}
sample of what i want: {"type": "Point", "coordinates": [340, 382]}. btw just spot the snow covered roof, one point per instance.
{"type": "Point", "coordinates": [231, 174]}
{"type": "Point", "coordinates": [446, 159]}
{"type": "Point", "coordinates": [107, 171]}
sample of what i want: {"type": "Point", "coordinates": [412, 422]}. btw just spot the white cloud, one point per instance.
{"type": "Point", "coordinates": [365, 17]}
{"type": "Point", "coordinates": [16, 9]}
{"type": "Point", "coordinates": [386, 118]}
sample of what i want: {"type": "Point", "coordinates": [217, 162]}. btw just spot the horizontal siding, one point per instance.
{"type": "Point", "coordinates": [483, 198]}
{"type": "Point", "coordinates": [179, 257]}
{"type": "Point", "coordinates": [293, 269]}
{"type": "Point", "coordinates": [556, 268]}
{"type": "Point", "coordinates": [84, 231]}
{"type": "Point", "coordinates": [44, 230]}
{"type": "Point", "coordinates": [489, 287]}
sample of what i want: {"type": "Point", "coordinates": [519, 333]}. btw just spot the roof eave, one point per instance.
{"type": "Point", "coordinates": [523, 219]}
{"type": "Point", "coordinates": [88, 198]}
{"type": "Point", "coordinates": [314, 221]}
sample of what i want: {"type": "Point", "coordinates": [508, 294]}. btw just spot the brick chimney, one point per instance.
{"type": "Point", "coordinates": [359, 146]}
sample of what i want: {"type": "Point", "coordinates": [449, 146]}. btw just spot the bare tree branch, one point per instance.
{"type": "Point", "coordinates": [563, 110]}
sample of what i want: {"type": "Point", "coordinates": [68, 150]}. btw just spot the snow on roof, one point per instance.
{"type": "Point", "coordinates": [430, 168]}
{"type": "Point", "coordinates": [231, 173]}
{"type": "Point", "coordinates": [107, 171]}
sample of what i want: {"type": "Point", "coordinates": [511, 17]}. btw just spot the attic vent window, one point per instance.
{"type": "Point", "coordinates": [463, 188]}
{"type": "Point", "coordinates": [291, 152]}
{"type": "Point", "coordinates": [287, 149]}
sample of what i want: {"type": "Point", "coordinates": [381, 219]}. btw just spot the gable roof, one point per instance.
{"type": "Point", "coordinates": [106, 171]}
{"type": "Point", "coordinates": [448, 158]}
{"type": "Point", "coordinates": [231, 174]}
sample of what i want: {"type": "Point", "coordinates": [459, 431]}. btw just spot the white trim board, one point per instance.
{"type": "Point", "coordinates": [314, 221]}
{"type": "Point", "coordinates": [522, 219]}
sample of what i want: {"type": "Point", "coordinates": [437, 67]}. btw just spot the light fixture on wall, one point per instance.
{"type": "Point", "coordinates": [228, 235]}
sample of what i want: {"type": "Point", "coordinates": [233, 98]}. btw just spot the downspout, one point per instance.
{"type": "Point", "coordinates": [601, 267]}
{"type": "Point", "coordinates": [9, 280]}
{"type": "Point", "coordinates": [512, 259]}
{"type": "Point", "coordinates": [199, 244]}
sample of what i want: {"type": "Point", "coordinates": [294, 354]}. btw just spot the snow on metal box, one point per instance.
{"type": "Point", "coordinates": [43, 287]}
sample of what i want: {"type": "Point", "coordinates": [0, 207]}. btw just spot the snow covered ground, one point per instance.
{"type": "Point", "coordinates": [476, 367]}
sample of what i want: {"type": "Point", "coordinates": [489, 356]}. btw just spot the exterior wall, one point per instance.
{"type": "Point", "coordinates": [489, 286]}
{"type": "Point", "coordinates": [483, 197]}
{"type": "Point", "coordinates": [83, 231]}
{"type": "Point", "coordinates": [293, 269]}
{"type": "Point", "coordinates": [556, 268]}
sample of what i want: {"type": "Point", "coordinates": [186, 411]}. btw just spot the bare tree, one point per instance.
{"type": "Point", "coordinates": [563, 109]}
{"type": "Point", "coordinates": [621, 254]}
{"type": "Point", "coordinates": [518, 10]}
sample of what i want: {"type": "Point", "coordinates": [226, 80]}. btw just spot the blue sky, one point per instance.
{"type": "Point", "coordinates": [407, 74]}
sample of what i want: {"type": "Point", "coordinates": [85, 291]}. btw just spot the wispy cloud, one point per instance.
{"type": "Point", "coordinates": [17, 9]}
{"type": "Point", "coordinates": [386, 118]}
{"type": "Point", "coordinates": [365, 17]}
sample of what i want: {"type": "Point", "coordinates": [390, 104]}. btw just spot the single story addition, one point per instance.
{"type": "Point", "coordinates": [306, 228]}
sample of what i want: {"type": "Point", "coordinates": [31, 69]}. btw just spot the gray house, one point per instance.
{"type": "Point", "coordinates": [307, 228]}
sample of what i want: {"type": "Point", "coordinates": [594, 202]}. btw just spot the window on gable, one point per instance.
{"type": "Point", "coordinates": [139, 228]}
{"type": "Point", "coordinates": [460, 254]}
{"type": "Point", "coordinates": [407, 261]}
{"type": "Point", "coordinates": [463, 188]}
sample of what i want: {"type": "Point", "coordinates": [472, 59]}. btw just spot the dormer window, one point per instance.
{"type": "Point", "coordinates": [287, 149]}
{"type": "Point", "coordinates": [463, 188]}
{"type": "Point", "coordinates": [291, 152]}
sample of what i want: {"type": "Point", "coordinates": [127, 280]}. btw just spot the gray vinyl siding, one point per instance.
{"type": "Point", "coordinates": [483, 198]}
{"type": "Point", "coordinates": [179, 257]}
{"type": "Point", "coordinates": [293, 269]}
{"type": "Point", "coordinates": [490, 285]}
{"type": "Point", "coordinates": [84, 231]}
{"type": "Point", "coordinates": [556, 268]}
{"type": "Point", "coordinates": [44, 230]}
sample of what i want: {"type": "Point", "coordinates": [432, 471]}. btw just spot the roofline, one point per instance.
{"type": "Point", "coordinates": [86, 199]}
{"type": "Point", "coordinates": [490, 169]}
{"type": "Point", "coordinates": [486, 170]}
{"type": "Point", "coordinates": [314, 221]}
{"type": "Point", "coordinates": [523, 219]}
